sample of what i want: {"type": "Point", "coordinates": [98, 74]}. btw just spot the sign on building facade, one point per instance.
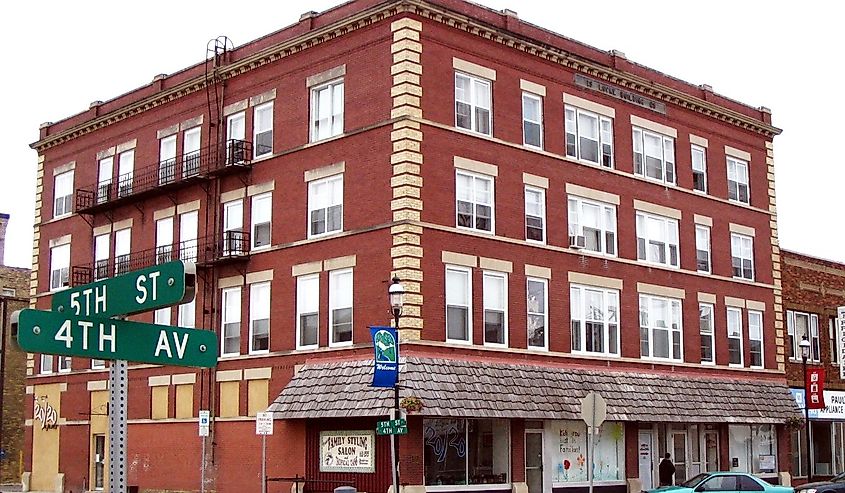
{"type": "Point", "coordinates": [347, 451]}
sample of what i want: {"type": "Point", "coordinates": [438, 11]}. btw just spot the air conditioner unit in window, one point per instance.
{"type": "Point", "coordinates": [577, 242]}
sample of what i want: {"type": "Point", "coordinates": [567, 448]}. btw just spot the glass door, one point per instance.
{"type": "Point", "coordinates": [534, 461]}
{"type": "Point", "coordinates": [710, 446]}
{"type": "Point", "coordinates": [679, 455]}
{"type": "Point", "coordinates": [645, 452]}
{"type": "Point", "coordinates": [99, 461]}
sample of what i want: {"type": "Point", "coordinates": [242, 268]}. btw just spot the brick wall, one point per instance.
{"type": "Point", "coordinates": [13, 384]}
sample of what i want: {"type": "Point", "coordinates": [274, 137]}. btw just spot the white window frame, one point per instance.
{"type": "Point", "coordinates": [473, 201]}
{"type": "Point", "coordinates": [578, 313]}
{"type": "Point", "coordinates": [528, 121]}
{"type": "Point", "coordinates": [708, 332]}
{"type": "Point", "coordinates": [164, 240]}
{"type": "Point", "coordinates": [230, 318]}
{"type": "Point", "coordinates": [105, 166]}
{"type": "Point", "coordinates": [575, 133]}
{"type": "Point", "coordinates": [538, 214]}
{"type": "Point", "coordinates": [191, 154]}
{"type": "Point", "coordinates": [606, 227]}
{"type": "Point", "coordinates": [831, 331]}
{"type": "Point", "coordinates": [125, 172]}
{"type": "Point", "coordinates": [261, 213]}
{"type": "Point", "coordinates": [259, 130]}
{"type": "Point", "coordinates": [64, 364]}
{"type": "Point", "coordinates": [794, 337]}
{"type": "Point", "coordinates": [541, 312]}
{"type": "Point", "coordinates": [734, 331]}
{"type": "Point", "coordinates": [167, 160]}
{"type": "Point", "coordinates": [46, 367]}
{"type": "Point", "coordinates": [670, 229]}
{"type": "Point", "coordinates": [333, 120]}
{"type": "Point", "coordinates": [742, 250]}
{"type": "Point", "coordinates": [702, 244]}
{"type": "Point", "coordinates": [162, 316]}
{"type": "Point", "coordinates": [188, 231]}
{"type": "Point", "coordinates": [334, 304]}
{"type": "Point", "coordinates": [235, 130]}
{"type": "Point", "coordinates": [259, 309]}
{"type": "Point", "coordinates": [186, 316]}
{"type": "Point", "coordinates": [102, 251]}
{"type": "Point", "coordinates": [233, 221]}
{"type": "Point", "coordinates": [472, 100]}
{"type": "Point", "coordinates": [307, 298]}
{"type": "Point", "coordinates": [98, 364]}
{"type": "Point", "coordinates": [698, 155]}
{"type": "Point", "coordinates": [60, 262]}
{"type": "Point", "coordinates": [321, 198]}
{"type": "Point", "coordinates": [63, 184]}
{"type": "Point", "coordinates": [668, 171]}
{"type": "Point", "coordinates": [737, 180]}
{"type": "Point", "coordinates": [755, 334]}
{"type": "Point", "coordinates": [467, 295]}
{"type": "Point", "coordinates": [672, 305]}
{"type": "Point", "coordinates": [495, 306]}
{"type": "Point", "coordinates": [122, 250]}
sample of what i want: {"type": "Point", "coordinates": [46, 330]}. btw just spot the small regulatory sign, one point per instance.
{"type": "Point", "coordinates": [205, 417]}
{"type": "Point", "coordinates": [264, 424]}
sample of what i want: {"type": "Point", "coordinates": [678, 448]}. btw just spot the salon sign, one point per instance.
{"type": "Point", "coordinates": [347, 451]}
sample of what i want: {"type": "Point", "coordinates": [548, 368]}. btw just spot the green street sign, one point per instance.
{"type": "Point", "coordinates": [392, 427]}
{"type": "Point", "coordinates": [46, 332]}
{"type": "Point", "coordinates": [138, 291]}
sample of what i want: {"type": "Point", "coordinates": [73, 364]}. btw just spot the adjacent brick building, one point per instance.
{"type": "Point", "coordinates": [563, 220]}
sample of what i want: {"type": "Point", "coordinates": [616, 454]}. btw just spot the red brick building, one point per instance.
{"type": "Point", "coordinates": [813, 288]}
{"type": "Point", "coordinates": [563, 220]}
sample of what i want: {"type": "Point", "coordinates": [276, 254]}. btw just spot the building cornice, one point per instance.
{"type": "Point", "coordinates": [432, 12]}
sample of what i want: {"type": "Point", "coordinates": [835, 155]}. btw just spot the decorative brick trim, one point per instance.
{"type": "Point", "coordinates": [33, 275]}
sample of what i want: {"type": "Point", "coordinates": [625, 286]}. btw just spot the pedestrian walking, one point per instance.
{"type": "Point", "coordinates": [666, 471]}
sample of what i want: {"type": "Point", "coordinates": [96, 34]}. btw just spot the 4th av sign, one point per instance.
{"type": "Point", "coordinates": [64, 334]}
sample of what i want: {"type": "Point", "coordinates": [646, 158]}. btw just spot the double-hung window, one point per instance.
{"type": "Point", "coordinates": [798, 326]}
{"type": "Point", "coordinates": [325, 206]}
{"type": "Point", "coordinates": [262, 129]}
{"type": "Point", "coordinates": [755, 338]}
{"type": "Point", "coordinates": [532, 120]}
{"type": "Point", "coordinates": [327, 110]}
{"type": "Point", "coordinates": [742, 256]}
{"type": "Point", "coordinates": [64, 364]}
{"type": "Point", "coordinates": [538, 313]}
{"type": "Point", "coordinates": [105, 167]}
{"type": "Point", "coordinates": [259, 317]}
{"type": "Point", "coordinates": [340, 307]}
{"type": "Point", "coordinates": [832, 337]}
{"type": "Point", "coordinates": [702, 248]}
{"type": "Point", "coordinates": [657, 239]}
{"type": "Point", "coordinates": [261, 212]}
{"type": "Point", "coordinates": [699, 168]}
{"type": "Point", "coordinates": [125, 172]}
{"type": "Point", "coordinates": [162, 316]}
{"type": "Point", "coordinates": [101, 256]}
{"type": "Point", "coordinates": [660, 328]}
{"type": "Point", "coordinates": [535, 214]}
{"type": "Point", "coordinates": [59, 266]}
{"type": "Point", "coordinates": [122, 249]}
{"type": "Point", "coordinates": [592, 225]}
{"type": "Point", "coordinates": [307, 311]}
{"type": "Point", "coordinates": [46, 364]}
{"type": "Point", "coordinates": [63, 194]}
{"type": "Point", "coordinates": [474, 201]}
{"type": "Point", "coordinates": [187, 314]}
{"type": "Point", "coordinates": [164, 240]}
{"type": "Point", "coordinates": [458, 304]}
{"type": "Point", "coordinates": [235, 136]}
{"type": "Point", "coordinates": [188, 223]}
{"type": "Point", "coordinates": [705, 324]}
{"type": "Point", "coordinates": [589, 136]}
{"type": "Point", "coordinates": [594, 314]}
{"type": "Point", "coordinates": [167, 160]}
{"type": "Point", "coordinates": [233, 222]}
{"type": "Point", "coordinates": [735, 336]}
{"type": "Point", "coordinates": [231, 337]}
{"type": "Point", "coordinates": [738, 180]}
{"type": "Point", "coordinates": [495, 309]}
{"type": "Point", "coordinates": [191, 152]}
{"type": "Point", "coordinates": [654, 155]}
{"type": "Point", "coordinates": [473, 103]}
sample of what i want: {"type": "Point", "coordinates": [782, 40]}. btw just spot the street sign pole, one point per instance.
{"type": "Point", "coordinates": [263, 463]}
{"type": "Point", "coordinates": [118, 379]}
{"type": "Point", "coordinates": [204, 424]}
{"type": "Point", "coordinates": [593, 412]}
{"type": "Point", "coordinates": [264, 427]}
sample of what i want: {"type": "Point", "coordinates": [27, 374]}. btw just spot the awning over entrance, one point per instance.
{"type": "Point", "coordinates": [465, 388]}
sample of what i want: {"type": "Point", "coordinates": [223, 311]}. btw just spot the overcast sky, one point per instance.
{"type": "Point", "coordinates": [60, 56]}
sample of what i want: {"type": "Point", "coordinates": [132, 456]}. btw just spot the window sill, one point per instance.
{"type": "Point", "coordinates": [325, 235]}
{"type": "Point", "coordinates": [459, 341]}
{"type": "Point", "coordinates": [340, 345]}
{"type": "Point", "coordinates": [476, 230]}
{"type": "Point", "coordinates": [661, 360]}
{"type": "Point", "coordinates": [595, 353]}
{"type": "Point", "coordinates": [469, 487]}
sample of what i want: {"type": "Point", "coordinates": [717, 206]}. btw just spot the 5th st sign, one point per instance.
{"type": "Point", "coordinates": [139, 291]}
{"type": "Point", "coordinates": [100, 338]}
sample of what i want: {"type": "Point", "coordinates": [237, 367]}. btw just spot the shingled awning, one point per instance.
{"type": "Point", "coordinates": [460, 388]}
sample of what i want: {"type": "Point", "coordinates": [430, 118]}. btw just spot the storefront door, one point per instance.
{"type": "Point", "coordinates": [710, 446]}
{"type": "Point", "coordinates": [678, 444]}
{"type": "Point", "coordinates": [646, 459]}
{"type": "Point", "coordinates": [99, 461]}
{"type": "Point", "coordinates": [534, 460]}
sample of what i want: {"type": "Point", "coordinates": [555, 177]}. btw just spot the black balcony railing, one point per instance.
{"type": "Point", "coordinates": [170, 173]}
{"type": "Point", "coordinates": [231, 246]}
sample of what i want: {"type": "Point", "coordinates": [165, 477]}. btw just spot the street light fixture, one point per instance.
{"type": "Point", "coordinates": [805, 353]}
{"type": "Point", "coordinates": [395, 294]}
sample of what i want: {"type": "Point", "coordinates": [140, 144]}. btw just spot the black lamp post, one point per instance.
{"type": "Point", "coordinates": [805, 353]}
{"type": "Point", "coordinates": [395, 293]}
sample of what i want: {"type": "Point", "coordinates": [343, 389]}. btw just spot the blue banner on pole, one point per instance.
{"type": "Point", "coordinates": [386, 345]}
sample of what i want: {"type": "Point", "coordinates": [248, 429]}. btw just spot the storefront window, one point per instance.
{"type": "Point", "coordinates": [822, 447]}
{"type": "Point", "coordinates": [799, 459]}
{"type": "Point", "coordinates": [460, 451]}
{"type": "Point", "coordinates": [566, 443]}
{"type": "Point", "coordinates": [753, 448]}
